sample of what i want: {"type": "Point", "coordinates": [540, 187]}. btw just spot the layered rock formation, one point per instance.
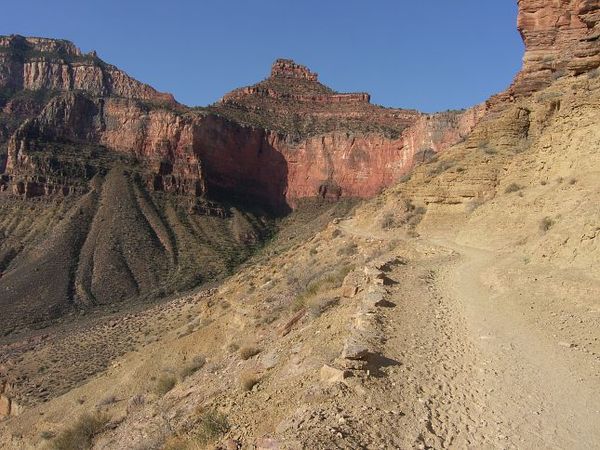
{"type": "Point", "coordinates": [286, 138]}
{"type": "Point", "coordinates": [561, 38]}
{"type": "Point", "coordinates": [338, 144]}
{"type": "Point", "coordinates": [40, 63]}
{"type": "Point", "coordinates": [75, 130]}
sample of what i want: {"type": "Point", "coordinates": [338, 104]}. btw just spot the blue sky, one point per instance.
{"type": "Point", "coordinates": [430, 55]}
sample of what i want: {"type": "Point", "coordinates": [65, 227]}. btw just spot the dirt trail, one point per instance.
{"type": "Point", "coordinates": [475, 374]}
{"type": "Point", "coordinates": [533, 382]}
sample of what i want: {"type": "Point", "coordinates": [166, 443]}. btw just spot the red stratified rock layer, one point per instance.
{"type": "Point", "coordinates": [561, 38]}
{"type": "Point", "coordinates": [285, 138]}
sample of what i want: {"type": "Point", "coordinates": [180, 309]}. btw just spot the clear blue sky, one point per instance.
{"type": "Point", "coordinates": [430, 55]}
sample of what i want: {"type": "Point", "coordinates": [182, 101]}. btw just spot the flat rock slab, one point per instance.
{"type": "Point", "coordinates": [355, 350]}
{"type": "Point", "coordinates": [330, 374]}
{"type": "Point", "coordinates": [374, 299]}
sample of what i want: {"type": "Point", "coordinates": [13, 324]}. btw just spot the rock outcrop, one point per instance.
{"type": "Point", "coordinates": [561, 38]}
{"type": "Point", "coordinates": [39, 63]}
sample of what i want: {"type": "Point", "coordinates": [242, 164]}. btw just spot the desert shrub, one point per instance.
{"type": "Point", "coordinates": [194, 366]}
{"type": "Point", "coordinates": [79, 436]}
{"type": "Point", "coordinates": [405, 178]}
{"type": "Point", "coordinates": [135, 402]}
{"type": "Point", "coordinates": [546, 223]}
{"type": "Point", "coordinates": [164, 384]}
{"type": "Point", "coordinates": [211, 425]}
{"type": "Point", "coordinates": [109, 400]}
{"type": "Point", "coordinates": [543, 182]}
{"type": "Point", "coordinates": [319, 304]}
{"type": "Point", "coordinates": [441, 167]}
{"type": "Point", "coordinates": [335, 233]}
{"type": "Point", "coordinates": [248, 351]}
{"type": "Point", "coordinates": [559, 74]}
{"type": "Point", "coordinates": [424, 156]}
{"type": "Point", "coordinates": [572, 181]}
{"type": "Point", "coordinates": [488, 150]}
{"type": "Point", "coordinates": [349, 249]}
{"type": "Point", "coordinates": [47, 435]}
{"type": "Point", "coordinates": [233, 347]}
{"type": "Point", "coordinates": [388, 220]}
{"type": "Point", "coordinates": [512, 187]}
{"type": "Point", "coordinates": [248, 380]}
{"type": "Point", "coordinates": [328, 282]}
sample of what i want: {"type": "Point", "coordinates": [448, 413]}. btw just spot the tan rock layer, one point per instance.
{"type": "Point", "coordinates": [38, 63]}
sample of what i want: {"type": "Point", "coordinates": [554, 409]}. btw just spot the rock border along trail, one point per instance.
{"type": "Point", "coordinates": [463, 370]}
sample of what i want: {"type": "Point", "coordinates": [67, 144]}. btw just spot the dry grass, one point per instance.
{"type": "Point", "coordinates": [194, 366]}
{"type": "Point", "coordinates": [135, 402]}
{"type": "Point", "coordinates": [80, 435]}
{"type": "Point", "coordinates": [248, 351]}
{"type": "Point", "coordinates": [248, 380]}
{"type": "Point", "coordinates": [211, 425]}
{"type": "Point", "coordinates": [326, 283]}
{"type": "Point", "coordinates": [164, 384]}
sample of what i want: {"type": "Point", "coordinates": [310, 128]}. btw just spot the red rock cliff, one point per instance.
{"type": "Point", "coordinates": [561, 37]}
{"type": "Point", "coordinates": [285, 138]}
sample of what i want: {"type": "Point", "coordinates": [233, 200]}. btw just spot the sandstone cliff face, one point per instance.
{"type": "Point", "coordinates": [38, 63]}
{"type": "Point", "coordinates": [561, 38]}
{"type": "Point", "coordinates": [196, 154]}
{"type": "Point", "coordinates": [338, 144]}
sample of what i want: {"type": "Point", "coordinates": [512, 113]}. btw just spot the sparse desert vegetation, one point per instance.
{"type": "Point", "coordinates": [164, 384]}
{"type": "Point", "coordinates": [79, 435]}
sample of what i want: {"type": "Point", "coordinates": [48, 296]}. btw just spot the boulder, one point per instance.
{"type": "Point", "coordinates": [330, 374]}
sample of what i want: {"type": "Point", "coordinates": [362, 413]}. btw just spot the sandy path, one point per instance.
{"type": "Point", "coordinates": [533, 382]}
{"type": "Point", "coordinates": [480, 376]}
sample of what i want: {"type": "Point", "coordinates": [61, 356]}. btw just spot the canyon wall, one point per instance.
{"type": "Point", "coordinates": [40, 63]}
{"type": "Point", "coordinates": [561, 37]}
{"type": "Point", "coordinates": [283, 139]}
{"type": "Point", "coordinates": [206, 152]}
